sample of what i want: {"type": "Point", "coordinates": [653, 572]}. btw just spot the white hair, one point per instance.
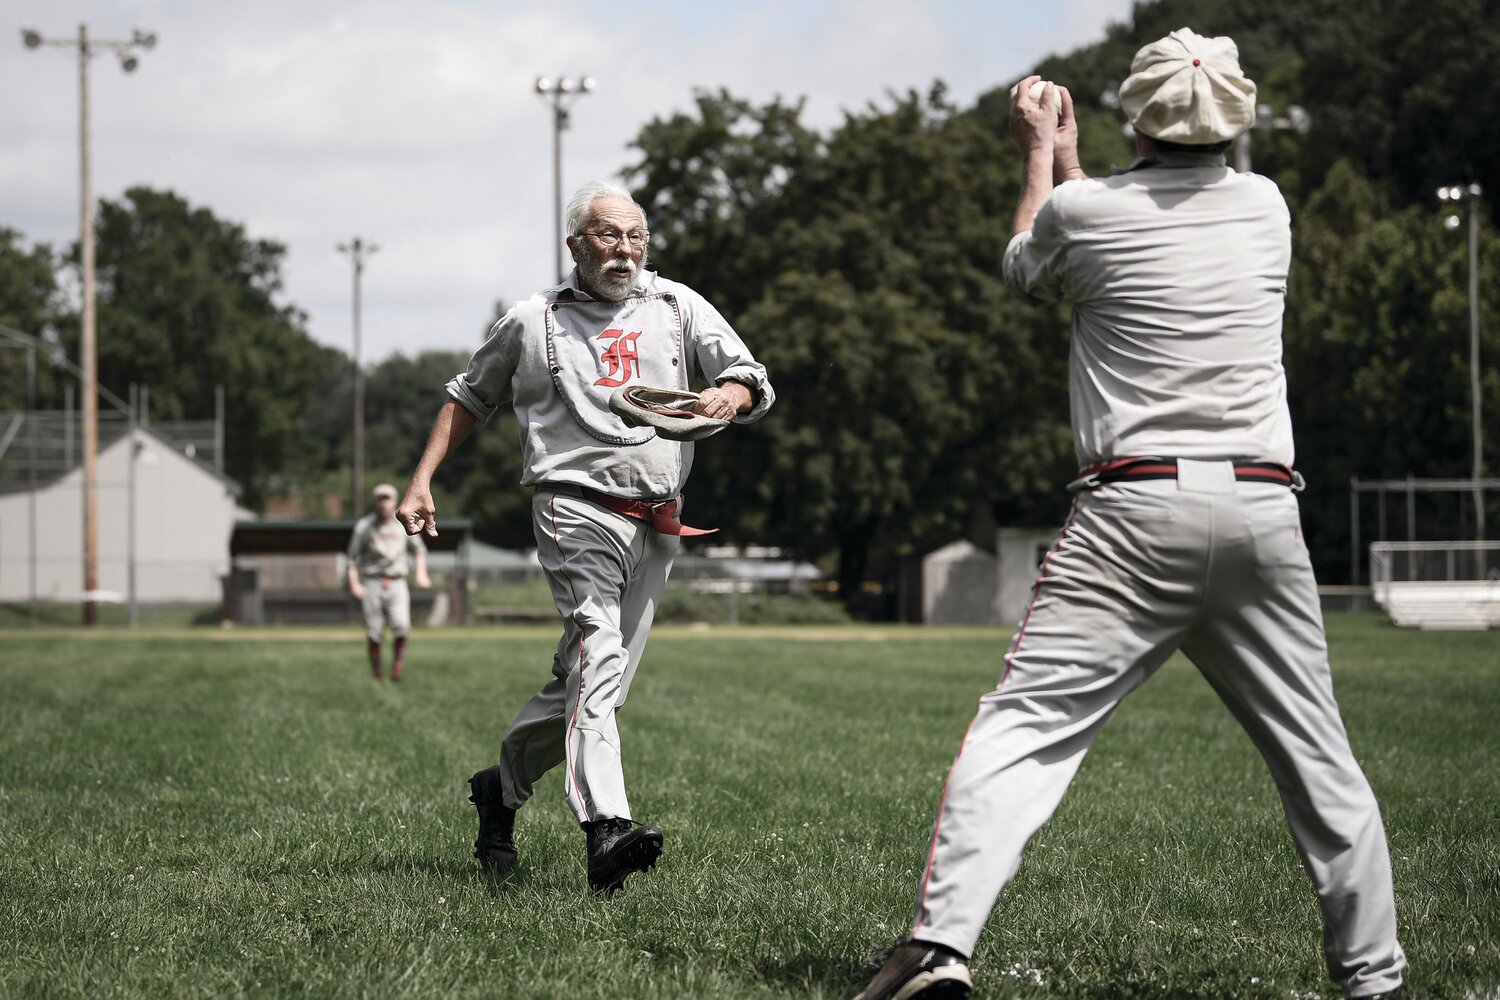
{"type": "Point", "coordinates": [577, 212]}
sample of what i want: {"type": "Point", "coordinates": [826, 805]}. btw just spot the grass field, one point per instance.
{"type": "Point", "coordinates": [245, 813]}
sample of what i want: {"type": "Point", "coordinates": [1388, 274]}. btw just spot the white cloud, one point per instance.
{"type": "Point", "coordinates": [416, 126]}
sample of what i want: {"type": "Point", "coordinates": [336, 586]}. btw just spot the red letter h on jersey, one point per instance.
{"type": "Point", "coordinates": [624, 361]}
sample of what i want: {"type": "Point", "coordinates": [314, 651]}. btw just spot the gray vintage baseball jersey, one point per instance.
{"type": "Point", "coordinates": [1177, 274]}
{"type": "Point", "coordinates": [381, 549]}
{"type": "Point", "coordinates": [559, 355]}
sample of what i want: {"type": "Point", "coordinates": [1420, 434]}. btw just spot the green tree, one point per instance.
{"type": "Point", "coordinates": [867, 279]}
{"type": "Point", "coordinates": [1377, 349]}
{"type": "Point", "coordinates": [188, 301]}
{"type": "Point", "coordinates": [31, 303]}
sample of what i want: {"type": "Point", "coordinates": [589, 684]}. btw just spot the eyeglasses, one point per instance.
{"type": "Point", "coordinates": [611, 239]}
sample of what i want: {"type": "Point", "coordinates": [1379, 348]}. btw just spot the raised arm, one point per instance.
{"type": "Point", "coordinates": [1033, 126]}
{"type": "Point", "coordinates": [1065, 164]}
{"type": "Point", "coordinates": [449, 430]}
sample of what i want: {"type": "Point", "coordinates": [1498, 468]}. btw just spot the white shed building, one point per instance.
{"type": "Point", "coordinates": [181, 509]}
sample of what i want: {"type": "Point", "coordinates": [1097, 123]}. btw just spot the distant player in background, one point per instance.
{"type": "Point", "coordinates": [1185, 531]}
{"type": "Point", "coordinates": [378, 552]}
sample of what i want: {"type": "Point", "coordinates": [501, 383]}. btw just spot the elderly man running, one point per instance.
{"type": "Point", "coordinates": [606, 508]}
{"type": "Point", "coordinates": [1184, 532]}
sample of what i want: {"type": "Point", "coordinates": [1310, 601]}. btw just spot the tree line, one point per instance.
{"type": "Point", "coordinates": [918, 396]}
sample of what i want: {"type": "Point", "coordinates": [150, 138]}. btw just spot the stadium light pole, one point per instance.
{"type": "Point", "coordinates": [1471, 194]}
{"type": "Point", "coordinates": [87, 48]}
{"type": "Point", "coordinates": [358, 250]}
{"type": "Point", "coordinates": [563, 93]}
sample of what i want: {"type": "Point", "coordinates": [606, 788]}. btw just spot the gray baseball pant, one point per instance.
{"type": "Point", "coordinates": [607, 573]}
{"type": "Point", "coordinates": [1218, 569]}
{"type": "Point", "coordinates": [387, 601]}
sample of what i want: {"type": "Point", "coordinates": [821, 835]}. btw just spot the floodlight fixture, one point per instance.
{"type": "Point", "coordinates": [128, 63]}
{"type": "Point", "coordinates": [145, 39]}
{"type": "Point", "coordinates": [561, 93]}
{"type": "Point", "coordinates": [31, 38]}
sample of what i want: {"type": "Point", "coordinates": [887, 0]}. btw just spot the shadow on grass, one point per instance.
{"type": "Point", "coordinates": [802, 972]}
{"type": "Point", "coordinates": [455, 869]}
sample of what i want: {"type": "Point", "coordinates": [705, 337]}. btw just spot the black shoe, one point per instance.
{"type": "Point", "coordinates": [916, 969]}
{"type": "Point", "coordinates": [495, 846]}
{"type": "Point", "coordinates": [618, 847]}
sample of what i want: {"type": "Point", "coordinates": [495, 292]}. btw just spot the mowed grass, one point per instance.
{"type": "Point", "coordinates": [246, 813]}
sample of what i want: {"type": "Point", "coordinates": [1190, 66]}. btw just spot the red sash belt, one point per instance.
{"type": "Point", "coordinates": [660, 514]}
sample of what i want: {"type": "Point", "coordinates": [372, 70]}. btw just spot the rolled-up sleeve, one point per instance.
{"type": "Point", "coordinates": [487, 383]}
{"type": "Point", "coordinates": [1034, 259]}
{"type": "Point", "coordinates": [723, 357]}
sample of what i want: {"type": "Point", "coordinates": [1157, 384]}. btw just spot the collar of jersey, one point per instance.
{"type": "Point", "coordinates": [1173, 160]}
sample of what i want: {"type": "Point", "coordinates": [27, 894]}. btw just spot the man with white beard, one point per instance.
{"type": "Point", "coordinates": [606, 508]}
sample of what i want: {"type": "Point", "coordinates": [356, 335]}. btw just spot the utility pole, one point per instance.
{"type": "Point", "coordinates": [1472, 195]}
{"type": "Point", "coordinates": [87, 49]}
{"type": "Point", "coordinates": [358, 250]}
{"type": "Point", "coordinates": [563, 92]}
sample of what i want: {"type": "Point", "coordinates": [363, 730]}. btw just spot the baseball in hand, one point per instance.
{"type": "Point", "coordinates": [1036, 93]}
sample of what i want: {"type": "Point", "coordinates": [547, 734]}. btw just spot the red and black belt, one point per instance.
{"type": "Point", "coordinates": [660, 514]}
{"type": "Point", "coordinates": [1135, 470]}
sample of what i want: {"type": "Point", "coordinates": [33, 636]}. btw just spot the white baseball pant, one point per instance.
{"type": "Point", "coordinates": [387, 602]}
{"type": "Point", "coordinates": [1218, 569]}
{"type": "Point", "coordinates": [607, 573]}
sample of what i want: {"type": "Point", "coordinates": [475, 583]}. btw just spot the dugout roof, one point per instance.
{"type": "Point", "coordinates": [265, 538]}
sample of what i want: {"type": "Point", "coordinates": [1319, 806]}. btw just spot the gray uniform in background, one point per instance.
{"type": "Point", "coordinates": [1177, 273]}
{"type": "Point", "coordinates": [557, 357]}
{"type": "Point", "coordinates": [379, 550]}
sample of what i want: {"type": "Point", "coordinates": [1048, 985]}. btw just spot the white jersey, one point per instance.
{"type": "Point", "coordinates": [559, 355]}
{"type": "Point", "coordinates": [1177, 273]}
{"type": "Point", "coordinates": [380, 548]}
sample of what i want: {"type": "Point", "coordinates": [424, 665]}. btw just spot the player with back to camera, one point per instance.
{"type": "Point", "coordinates": [1184, 531]}
{"type": "Point", "coordinates": [606, 508]}
{"type": "Point", "coordinates": [378, 552]}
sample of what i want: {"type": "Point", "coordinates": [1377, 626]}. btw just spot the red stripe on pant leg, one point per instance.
{"type": "Point", "coordinates": [937, 825]}
{"type": "Point", "coordinates": [573, 720]}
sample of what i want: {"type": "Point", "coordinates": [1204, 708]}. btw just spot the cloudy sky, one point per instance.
{"type": "Point", "coordinates": [416, 125]}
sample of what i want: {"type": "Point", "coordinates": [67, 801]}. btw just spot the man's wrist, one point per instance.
{"type": "Point", "coordinates": [749, 390]}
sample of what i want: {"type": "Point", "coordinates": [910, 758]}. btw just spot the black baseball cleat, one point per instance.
{"type": "Point", "coordinates": [618, 847]}
{"type": "Point", "coordinates": [916, 969]}
{"type": "Point", "coordinates": [495, 847]}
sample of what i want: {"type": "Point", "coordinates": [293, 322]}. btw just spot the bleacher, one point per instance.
{"type": "Point", "coordinates": [1437, 585]}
